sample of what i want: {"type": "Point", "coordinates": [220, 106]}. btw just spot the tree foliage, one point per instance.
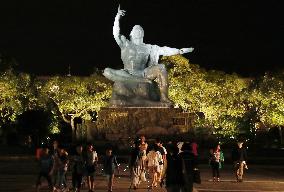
{"type": "Point", "coordinates": [10, 103]}
{"type": "Point", "coordinates": [216, 94]}
{"type": "Point", "coordinates": [268, 98]}
{"type": "Point", "coordinates": [230, 103]}
{"type": "Point", "coordinates": [76, 96]}
{"type": "Point", "coordinates": [62, 97]}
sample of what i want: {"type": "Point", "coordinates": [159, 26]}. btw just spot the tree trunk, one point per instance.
{"type": "Point", "coordinates": [281, 135]}
{"type": "Point", "coordinates": [73, 129]}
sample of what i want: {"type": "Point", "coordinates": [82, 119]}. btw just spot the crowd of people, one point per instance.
{"type": "Point", "coordinates": [55, 162]}
{"type": "Point", "coordinates": [173, 166]}
{"type": "Point", "coordinates": [163, 164]}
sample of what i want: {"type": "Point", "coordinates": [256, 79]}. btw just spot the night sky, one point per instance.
{"type": "Point", "coordinates": [45, 37]}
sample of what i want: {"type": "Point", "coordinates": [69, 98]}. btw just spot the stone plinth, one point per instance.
{"type": "Point", "coordinates": [120, 123]}
{"type": "Point", "coordinates": [133, 94]}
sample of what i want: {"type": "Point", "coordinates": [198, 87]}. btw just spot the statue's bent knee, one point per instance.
{"type": "Point", "coordinates": [107, 72]}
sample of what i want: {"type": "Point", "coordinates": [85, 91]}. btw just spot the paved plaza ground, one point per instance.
{"type": "Point", "coordinates": [19, 175]}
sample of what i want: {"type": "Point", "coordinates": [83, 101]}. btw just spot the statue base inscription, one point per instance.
{"type": "Point", "coordinates": [128, 122]}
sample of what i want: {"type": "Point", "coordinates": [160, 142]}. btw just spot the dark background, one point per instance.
{"type": "Point", "coordinates": [45, 37]}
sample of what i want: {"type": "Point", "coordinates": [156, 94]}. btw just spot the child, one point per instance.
{"type": "Point", "coordinates": [46, 163]}
{"type": "Point", "coordinates": [110, 163]}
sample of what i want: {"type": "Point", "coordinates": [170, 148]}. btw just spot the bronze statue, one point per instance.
{"type": "Point", "coordinates": [141, 68]}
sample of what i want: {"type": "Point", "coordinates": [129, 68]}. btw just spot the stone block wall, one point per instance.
{"type": "Point", "coordinates": [128, 122]}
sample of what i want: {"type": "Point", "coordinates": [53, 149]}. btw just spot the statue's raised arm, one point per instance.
{"type": "Point", "coordinates": [157, 51]}
{"type": "Point", "coordinates": [167, 51]}
{"type": "Point", "coordinates": [116, 29]}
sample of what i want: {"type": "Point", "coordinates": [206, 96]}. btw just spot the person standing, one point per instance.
{"type": "Point", "coordinates": [187, 162]}
{"type": "Point", "coordinates": [78, 168]}
{"type": "Point", "coordinates": [55, 153]}
{"type": "Point", "coordinates": [91, 163]}
{"type": "Point", "coordinates": [62, 169]}
{"type": "Point", "coordinates": [239, 157]}
{"type": "Point", "coordinates": [172, 175]}
{"type": "Point", "coordinates": [109, 166]}
{"type": "Point", "coordinates": [194, 147]}
{"type": "Point", "coordinates": [143, 145]}
{"type": "Point", "coordinates": [216, 159]}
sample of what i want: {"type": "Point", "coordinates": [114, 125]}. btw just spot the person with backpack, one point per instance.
{"type": "Point", "coordinates": [109, 166]}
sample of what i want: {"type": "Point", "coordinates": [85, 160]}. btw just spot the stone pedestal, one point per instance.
{"type": "Point", "coordinates": [128, 122]}
{"type": "Point", "coordinates": [133, 94]}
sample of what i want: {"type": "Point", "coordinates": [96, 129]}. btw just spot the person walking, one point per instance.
{"type": "Point", "coordinates": [239, 157]}
{"type": "Point", "coordinates": [62, 169]}
{"type": "Point", "coordinates": [46, 164]}
{"type": "Point", "coordinates": [153, 165]}
{"type": "Point", "coordinates": [216, 159]}
{"type": "Point", "coordinates": [136, 164]}
{"type": "Point", "coordinates": [91, 164]}
{"type": "Point", "coordinates": [143, 146]}
{"type": "Point", "coordinates": [164, 164]}
{"type": "Point", "coordinates": [109, 166]}
{"type": "Point", "coordinates": [162, 160]}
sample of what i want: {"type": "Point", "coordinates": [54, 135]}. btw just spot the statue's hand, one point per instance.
{"type": "Point", "coordinates": [186, 50]}
{"type": "Point", "coordinates": [120, 12]}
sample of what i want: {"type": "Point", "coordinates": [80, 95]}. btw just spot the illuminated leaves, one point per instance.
{"type": "Point", "coordinates": [217, 95]}
{"type": "Point", "coordinates": [11, 96]}
{"type": "Point", "coordinates": [77, 96]}
{"type": "Point", "coordinates": [268, 97]}
{"type": "Point", "coordinates": [228, 102]}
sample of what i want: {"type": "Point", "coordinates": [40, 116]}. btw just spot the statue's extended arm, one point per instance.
{"type": "Point", "coordinates": [123, 76]}
{"type": "Point", "coordinates": [116, 28]}
{"type": "Point", "coordinates": [167, 51]}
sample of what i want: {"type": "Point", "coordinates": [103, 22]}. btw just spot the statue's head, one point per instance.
{"type": "Point", "coordinates": [137, 34]}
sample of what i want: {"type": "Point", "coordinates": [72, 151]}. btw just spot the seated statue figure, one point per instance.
{"type": "Point", "coordinates": [141, 69]}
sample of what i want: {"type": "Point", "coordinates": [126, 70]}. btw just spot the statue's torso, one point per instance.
{"type": "Point", "coordinates": [135, 57]}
